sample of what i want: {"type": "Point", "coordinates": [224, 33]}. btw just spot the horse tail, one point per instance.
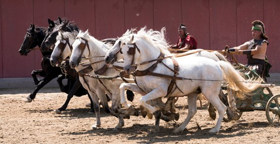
{"type": "Point", "coordinates": [236, 81]}
{"type": "Point", "coordinates": [220, 56]}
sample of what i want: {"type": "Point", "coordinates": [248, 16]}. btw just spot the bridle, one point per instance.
{"type": "Point", "coordinates": [34, 38]}
{"type": "Point", "coordinates": [84, 44]}
{"type": "Point", "coordinates": [132, 51]}
{"type": "Point", "coordinates": [149, 71]}
{"type": "Point", "coordinates": [62, 45]}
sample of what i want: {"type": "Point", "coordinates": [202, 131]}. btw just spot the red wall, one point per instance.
{"type": "Point", "coordinates": [214, 23]}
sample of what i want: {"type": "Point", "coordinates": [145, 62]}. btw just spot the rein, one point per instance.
{"type": "Point", "coordinates": [102, 70]}
{"type": "Point", "coordinates": [150, 70]}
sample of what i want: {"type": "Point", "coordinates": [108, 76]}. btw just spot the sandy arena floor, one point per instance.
{"type": "Point", "coordinates": [36, 122]}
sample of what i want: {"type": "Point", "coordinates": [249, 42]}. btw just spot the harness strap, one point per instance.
{"type": "Point", "coordinates": [100, 81]}
{"type": "Point", "coordinates": [170, 89]}
{"type": "Point", "coordinates": [86, 83]}
{"type": "Point", "coordinates": [101, 70]}
{"type": "Point", "coordinates": [85, 70]}
{"type": "Point", "coordinates": [150, 70]}
{"type": "Point", "coordinates": [135, 81]}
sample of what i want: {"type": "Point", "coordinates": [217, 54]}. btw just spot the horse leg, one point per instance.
{"type": "Point", "coordinates": [128, 86]}
{"type": "Point", "coordinates": [154, 94]}
{"type": "Point", "coordinates": [41, 84]}
{"type": "Point", "coordinates": [34, 74]}
{"type": "Point", "coordinates": [103, 99]}
{"type": "Point", "coordinates": [157, 115]}
{"type": "Point", "coordinates": [191, 112]}
{"type": "Point", "coordinates": [96, 108]}
{"type": "Point", "coordinates": [213, 98]}
{"type": "Point", "coordinates": [91, 104]}
{"type": "Point", "coordinates": [73, 90]}
{"type": "Point", "coordinates": [59, 81]}
{"type": "Point", "coordinates": [211, 111]}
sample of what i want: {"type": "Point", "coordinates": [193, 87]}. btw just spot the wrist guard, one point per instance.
{"type": "Point", "coordinates": [248, 52]}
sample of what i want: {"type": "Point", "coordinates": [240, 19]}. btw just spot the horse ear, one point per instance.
{"type": "Point", "coordinates": [120, 43]}
{"type": "Point", "coordinates": [86, 32]}
{"type": "Point", "coordinates": [66, 22]}
{"type": "Point", "coordinates": [32, 26]}
{"type": "Point", "coordinates": [60, 20]}
{"type": "Point", "coordinates": [51, 23]}
{"type": "Point", "coordinates": [132, 38]}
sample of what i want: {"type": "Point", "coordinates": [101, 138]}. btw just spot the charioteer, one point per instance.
{"type": "Point", "coordinates": [255, 50]}
{"type": "Point", "coordinates": [185, 41]}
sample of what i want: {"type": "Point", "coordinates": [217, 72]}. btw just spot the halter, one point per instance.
{"type": "Point", "coordinates": [63, 43]}
{"type": "Point", "coordinates": [102, 70]}
{"type": "Point", "coordinates": [131, 51]}
{"type": "Point", "coordinates": [35, 38]}
{"type": "Point", "coordinates": [84, 44]}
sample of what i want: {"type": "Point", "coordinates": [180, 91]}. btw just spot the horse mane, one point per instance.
{"type": "Point", "coordinates": [72, 26]}
{"type": "Point", "coordinates": [41, 30]}
{"type": "Point", "coordinates": [66, 35]}
{"type": "Point", "coordinates": [155, 38]}
{"type": "Point", "coordinates": [87, 36]}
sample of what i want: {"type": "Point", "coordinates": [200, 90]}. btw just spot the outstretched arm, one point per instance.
{"type": "Point", "coordinates": [237, 49]}
{"type": "Point", "coordinates": [253, 51]}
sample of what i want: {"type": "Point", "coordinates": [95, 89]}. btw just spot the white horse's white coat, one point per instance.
{"type": "Point", "coordinates": [90, 84]}
{"type": "Point", "coordinates": [209, 75]}
{"type": "Point", "coordinates": [98, 48]}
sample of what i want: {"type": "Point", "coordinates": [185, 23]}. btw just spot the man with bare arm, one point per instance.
{"type": "Point", "coordinates": [255, 50]}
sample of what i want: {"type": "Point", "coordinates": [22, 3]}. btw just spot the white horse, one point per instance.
{"type": "Point", "coordinates": [142, 48]}
{"type": "Point", "coordinates": [62, 50]}
{"type": "Point", "coordinates": [91, 48]}
{"type": "Point", "coordinates": [114, 54]}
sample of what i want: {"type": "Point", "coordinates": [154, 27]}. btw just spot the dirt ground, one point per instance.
{"type": "Point", "coordinates": [36, 122]}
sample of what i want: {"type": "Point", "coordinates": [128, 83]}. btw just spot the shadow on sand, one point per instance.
{"type": "Point", "coordinates": [144, 134]}
{"type": "Point", "coordinates": [72, 113]}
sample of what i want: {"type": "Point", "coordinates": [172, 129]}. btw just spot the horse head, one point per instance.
{"type": "Point", "coordinates": [46, 44]}
{"type": "Point", "coordinates": [32, 38]}
{"type": "Point", "coordinates": [62, 48]}
{"type": "Point", "coordinates": [80, 48]}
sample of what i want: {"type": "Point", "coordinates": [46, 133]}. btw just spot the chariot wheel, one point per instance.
{"type": "Point", "coordinates": [228, 116]}
{"type": "Point", "coordinates": [273, 109]}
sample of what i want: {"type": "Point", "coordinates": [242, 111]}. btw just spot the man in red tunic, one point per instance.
{"type": "Point", "coordinates": [185, 41]}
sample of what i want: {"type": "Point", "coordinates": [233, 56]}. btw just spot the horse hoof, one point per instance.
{"type": "Point", "coordinates": [213, 131]}
{"type": "Point", "coordinates": [156, 130]}
{"type": "Point", "coordinates": [88, 105]}
{"type": "Point", "coordinates": [57, 111]}
{"type": "Point", "coordinates": [28, 100]}
{"type": "Point", "coordinates": [177, 131]}
{"type": "Point", "coordinates": [95, 126]}
{"type": "Point", "coordinates": [119, 126]}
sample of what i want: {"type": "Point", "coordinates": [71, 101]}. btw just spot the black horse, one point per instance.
{"type": "Point", "coordinates": [34, 37]}
{"type": "Point", "coordinates": [67, 26]}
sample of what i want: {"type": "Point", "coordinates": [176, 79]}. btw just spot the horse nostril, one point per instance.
{"type": "Point", "coordinates": [107, 59]}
